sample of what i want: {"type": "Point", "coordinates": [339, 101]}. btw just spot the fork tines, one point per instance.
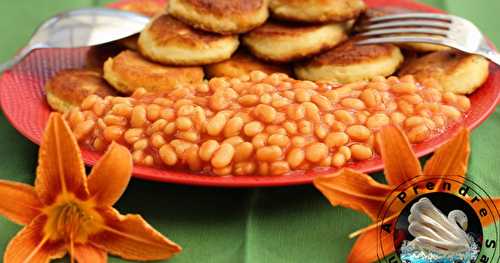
{"type": "Point", "coordinates": [428, 27]}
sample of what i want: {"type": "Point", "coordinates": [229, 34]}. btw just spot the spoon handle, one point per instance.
{"type": "Point", "coordinates": [17, 58]}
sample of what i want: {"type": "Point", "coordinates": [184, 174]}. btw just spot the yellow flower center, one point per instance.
{"type": "Point", "coordinates": [72, 220]}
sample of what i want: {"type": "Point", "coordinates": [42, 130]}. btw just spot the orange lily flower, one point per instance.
{"type": "Point", "coordinates": [361, 192]}
{"type": "Point", "coordinates": [67, 212]}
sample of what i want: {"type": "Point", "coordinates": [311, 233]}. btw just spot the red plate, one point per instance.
{"type": "Point", "coordinates": [23, 101]}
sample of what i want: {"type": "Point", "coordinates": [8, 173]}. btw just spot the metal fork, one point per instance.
{"type": "Point", "coordinates": [440, 29]}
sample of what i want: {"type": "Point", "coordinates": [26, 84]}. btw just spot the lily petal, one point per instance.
{"type": "Point", "coordinates": [89, 254]}
{"type": "Point", "coordinates": [400, 161]}
{"type": "Point", "coordinates": [366, 250]}
{"type": "Point", "coordinates": [132, 238]}
{"type": "Point", "coordinates": [451, 158]}
{"type": "Point", "coordinates": [110, 176]}
{"type": "Point", "coordinates": [20, 203]}
{"type": "Point", "coordinates": [355, 190]}
{"type": "Point", "coordinates": [29, 245]}
{"type": "Point", "coordinates": [60, 165]}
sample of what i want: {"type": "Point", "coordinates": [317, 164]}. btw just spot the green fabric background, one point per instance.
{"type": "Point", "coordinates": [292, 224]}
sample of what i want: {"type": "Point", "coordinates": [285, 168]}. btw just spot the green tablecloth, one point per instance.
{"type": "Point", "coordinates": [292, 224]}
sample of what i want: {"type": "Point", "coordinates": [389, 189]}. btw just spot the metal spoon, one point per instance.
{"type": "Point", "coordinates": [81, 28]}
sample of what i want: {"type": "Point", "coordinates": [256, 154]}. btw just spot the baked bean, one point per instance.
{"type": "Point", "coordinates": [295, 157]}
{"type": "Point", "coordinates": [397, 118]}
{"type": "Point", "coordinates": [263, 168]}
{"type": "Point", "coordinates": [298, 141]}
{"type": "Point", "coordinates": [83, 129]}
{"type": "Point", "coordinates": [439, 121]}
{"type": "Point", "coordinates": [163, 102]}
{"type": "Point", "coordinates": [312, 112]}
{"type": "Point", "coordinates": [269, 153]}
{"type": "Point", "coordinates": [336, 139]}
{"type": "Point", "coordinates": [244, 168]}
{"type": "Point", "coordinates": [451, 112]}
{"type": "Point", "coordinates": [216, 124]}
{"type": "Point", "coordinates": [157, 140]}
{"type": "Point", "coordinates": [183, 123]}
{"type": "Point", "coordinates": [316, 152]}
{"type": "Point", "coordinates": [99, 107]}
{"type": "Point", "coordinates": [99, 144]}
{"type": "Point", "coordinates": [290, 127]}
{"type": "Point", "coordinates": [169, 128]}
{"type": "Point", "coordinates": [168, 114]}
{"type": "Point", "coordinates": [235, 140]}
{"type": "Point", "coordinates": [243, 151]}
{"type": "Point", "coordinates": [113, 133]}
{"type": "Point", "coordinates": [207, 149]}
{"type": "Point", "coordinates": [260, 140]}
{"type": "Point", "coordinates": [122, 109]}
{"type": "Point", "coordinates": [412, 98]}
{"type": "Point", "coordinates": [279, 140]}
{"type": "Point", "coordinates": [338, 126]}
{"type": "Point", "coordinates": [338, 160]}
{"type": "Point", "coordinates": [377, 120]}
{"type": "Point", "coordinates": [167, 155]}
{"type": "Point", "coordinates": [361, 117]}
{"type": "Point", "coordinates": [358, 132]}
{"type": "Point", "coordinates": [346, 151]}
{"type": "Point", "coordinates": [265, 113]}
{"type": "Point", "coordinates": [218, 102]}
{"type": "Point", "coordinates": [321, 131]}
{"type": "Point", "coordinates": [223, 156]}
{"type": "Point", "coordinates": [414, 121]}
{"type": "Point", "coordinates": [404, 88]}
{"type": "Point", "coordinates": [329, 119]}
{"type": "Point", "coordinates": [353, 103]}
{"type": "Point", "coordinates": [361, 152]}
{"type": "Point", "coordinates": [371, 97]}
{"type": "Point", "coordinates": [302, 95]}
{"type": "Point", "coordinates": [248, 100]}
{"type": "Point", "coordinates": [88, 103]}
{"type": "Point", "coordinates": [266, 98]}
{"type": "Point", "coordinates": [305, 127]}
{"type": "Point", "coordinates": [233, 127]}
{"type": "Point", "coordinates": [406, 108]}
{"type": "Point", "coordinates": [344, 116]}
{"type": "Point", "coordinates": [418, 133]}
{"type": "Point", "coordinates": [148, 160]}
{"type": "Point", "coordinates": [322, 102]}
{"type": "Point", "coordinates": [463, 103]}
{"type": "Point", "coordinates": [450, 98]}
{"type": "Point", "coordinates": [153, 112]}
{"type": "Point", "coordinates": [138, 156]}
{"type": "Point", "coordinates": [140, 144]}
{"type": "Point", "coordinates": [253, 128]}
{"type": "Point", "coordinates": [279, 168]}
{"type": "Point", "coordinates": [190, 136]}
{"type": "Point", "coordinates": [186, 110]}
{"type": "Point", "coordinates": [138, 117]}
{"type": "Point", "coordinates": [192, 158]}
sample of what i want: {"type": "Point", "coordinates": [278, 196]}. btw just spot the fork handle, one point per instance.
{"type": "Point", "coordinates": [17, 58]}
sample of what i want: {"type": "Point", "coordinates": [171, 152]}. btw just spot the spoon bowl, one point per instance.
{"type": "Point", "coordinates": [82, 28]}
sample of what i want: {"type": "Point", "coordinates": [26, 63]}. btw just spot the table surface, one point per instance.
{"type": "Point", "coordinates": [292, 224]}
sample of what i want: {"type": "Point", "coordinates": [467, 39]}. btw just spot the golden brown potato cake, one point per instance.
{"type": "Point", "coordinates": [449, 71]}
{"type": "Point", "coordinates": [69, 87]}
{"type": "Point", "coordinates": [129, 71]}
{"type": "Point", "coordinates": [316, 10]}
{"type": "Point", "coordinates": [97, 55]}
{"type": "Point", "coordinates": [221, 16]}
{"type": "Point", "coordinates": [146, 7]}
{"type": "Point", "coordinates": [280, 42]}
{"type": "Point", "coordinates": [242, 63]}
{"type": "Point", "coordinates": [350, 62]}
{"type": "Point", "coordinates": [417, 47]}
{"type": "Point", "coordinates": [170, 41]}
